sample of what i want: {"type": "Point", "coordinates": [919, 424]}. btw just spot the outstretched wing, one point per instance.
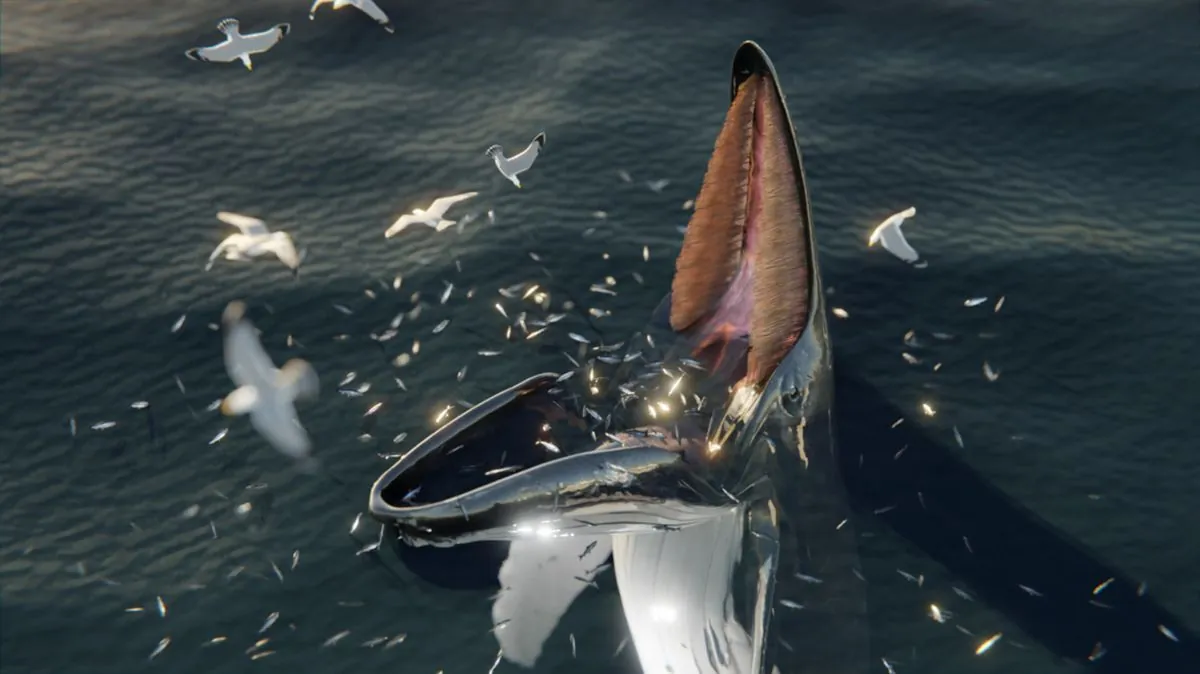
{"type": "Point", "coordinates": [372, 10]}
{"type": "Point", "coordinates": [285, 249]}
{"type": "Point", "coordinates": [223, 52]}
{"type": "Point", "coordinates": [400, 224]}
{"type": "Point", "coordinates": [248, 225]}
{"type": "Point", "coordinates": [894, 242]}
{"type": "Point", "coordinates": [439, 206]}
{"type": "Point", "coordinates": [538, 582]}
{"type": "Point", "coordinates": [257, 43]}
{"type": "Point", "coordinates": [245, 359]}
{"type": "Point", "coordinates": [276, 420]}
{"type": "Point", "coordinates": [521, 162]}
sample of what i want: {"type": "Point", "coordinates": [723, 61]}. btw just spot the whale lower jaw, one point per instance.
{"type": "Point", "coordinates": [676, 588]}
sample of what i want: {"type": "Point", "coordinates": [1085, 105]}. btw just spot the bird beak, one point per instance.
{"type": "Point", "coordinates": [250, 67]}
{"type": "Point", "coordinates": [225, 407]}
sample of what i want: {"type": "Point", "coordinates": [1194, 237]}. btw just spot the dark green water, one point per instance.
{"type": "Point", "coordinates": [1050, 148]}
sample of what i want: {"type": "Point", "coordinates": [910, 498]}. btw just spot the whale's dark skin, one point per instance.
{"type": "Point", "coordinates": [935, 499]}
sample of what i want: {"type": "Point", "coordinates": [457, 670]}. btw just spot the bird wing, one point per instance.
{"type": "Point", "coordinates": [401, 223]}
{"type": "Point", "coordinates": [257, 43]}
{"type": "Point", "coordinates": [223, 52]}
{"type": "Point", "coordinates": [372, 10]}
{"type": "Point", "coordinates": [521, 162]}
{"type": "Point", "coordinates": [298, 380]}
{"type": "Point", "coordinates": [245, 359]}
{"type": "Point", "coordinates": [317, 3]}
{"type": "Point", "coordinates": [284, 249]}
{"type": "Point", "coordinates": [894, 242]}
{"type": "Point", "coordinates": [439, 206]}
{"type": "Point", "coordinates": [249, 226]}
{"type": "Point", "coordinates": [275, 419]}
{"type": "Point", "coordinates": [229, 242]}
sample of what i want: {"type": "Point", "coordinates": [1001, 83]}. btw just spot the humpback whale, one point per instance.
{"type": "Point", "coordinates": [713, 479]}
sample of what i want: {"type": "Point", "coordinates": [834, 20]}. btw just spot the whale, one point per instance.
{"type": "Point", "coordinates": [719, 461]}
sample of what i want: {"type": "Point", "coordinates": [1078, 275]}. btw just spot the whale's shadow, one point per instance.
{"type": "Point", "coordinates": [1010, 546]}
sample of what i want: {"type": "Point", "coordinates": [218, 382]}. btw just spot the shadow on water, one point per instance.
{"type": "Point", "coordinates": [1013, 560]}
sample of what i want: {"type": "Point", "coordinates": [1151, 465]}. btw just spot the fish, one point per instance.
{"type": "Point", "coordinates": [789, 433]}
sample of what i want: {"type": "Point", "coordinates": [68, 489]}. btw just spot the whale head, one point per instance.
{"type": "Point", "coordinates": [724, 393]}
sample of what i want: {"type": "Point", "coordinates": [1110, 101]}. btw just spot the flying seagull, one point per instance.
{"type": "Point", "coordinates": [254, 240]}
{"type": "Point", "coordinates": [889, 235]}
{"type": "Point", "coordinates": [517, 164]}
{"type": "Point", "coordinates": [368, 7]}
{"type": "Point", "coordinates": [265, 393]}
{"type": "Point", "coordinates": [237, 46]}
{"type": "Point", "coordinates": [432, 216]}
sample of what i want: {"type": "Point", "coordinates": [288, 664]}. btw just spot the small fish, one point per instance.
{"type": "Point", "coordinates": [578, 338]}
{"type": "Point", "coordinates": [989, 373]}
{"type": "Point", "coordinates": [412, 494]}
{"type": "Point", "coordinates": [927, 409]}
{"type": "Point", "coordinates": [74, 427]}
{"type": "Point", "coordinates": [840, 312]}
{"type": "Point", "coordinates": [550, 446]}
{"type": "Point", "coordinates": [988, 643]}
{"type": "Point", "coordinates": [572, 637]}
{"type": "Point", "coordinates": [178, 324]}
{"type": "Point", "coordinates": [1100, 588]}
{"type": "Point", "coordinates": [373, 409]}
{"type": "Point", "coordinates": [162, 646]}
{"type": "Point", "coordinates": [791, 604]}
{"type": "Point", "coordinates": [270, 621]}
{"type": "Point", "coordinates": [502, 471]}
{"type": "Point", "coordinates": [1166, 632]}
{"type": "Point", "coordinates": [191, 512]}
{"type": "Point", "coordinates": [139, 405]}
{"type": "Point", "coordinates": [162, 607]}
{"type": "Point", "coordinates": [103, 425]}
{"type": "Point", "coordinates": [295, 559]}
{"type": "Point", "coordinates": [278, 573]}
{"type": "Point", "coordinates": [343, 308]}
{"type": "Point", "coordinates": [974, 301]}
{"type": "Point", "coordinates": [958, 437]}
{"type": "Point", "coordinates": [938, 614]}
{"type": "Point", "coordinates": [489, 354]}
{"type": "Point", "coordinates": [219, 436]}
{"type": "Point", "coordinates": [446, 293]}
{"type": "Point", "coordinates": [999, 303]}
{"type": "Point", "coordinates": [357, 521]}
{"type": "Point", "coordinates": [332, 641]}
{"type": "Point", "coordinates": [438, 328]}
{"type": "Point", "coordinates": [179, 384]}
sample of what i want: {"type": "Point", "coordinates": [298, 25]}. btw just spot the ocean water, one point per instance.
{"type": "Point", "coordinates": [1050, 148]}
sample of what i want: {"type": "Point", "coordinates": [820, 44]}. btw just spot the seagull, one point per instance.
{"type": "Point", "coordinates": [265, 393]}
{"type": "Point", "coordinates": [368, 7]}
{"type": "Point", "coordinates": [888, 233]}
{"type": "Point", "coordinates": [512, 166]}
{"type": "Point", "coordinates": [255, 240]}
{"type": "Point", "coordinates": [432, 216]}
{"type": "Point", "coordinates": [237, 46]}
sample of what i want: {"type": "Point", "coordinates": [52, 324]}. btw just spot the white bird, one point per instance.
{"type": "Point", "coordinates": [367, 7]}
{"type": "Point", "coordinates": [238, 47]}
{"type": "Point", "coordinates": [267, 394]}
{"type": "Point", "coordinates": [889, 235]}
{"type": "Point", "coordinates": [519, 163]}
{"type": "Point", "coordinates": [254, 240]}
{"type": "Point", "coordinates": [432, 216]}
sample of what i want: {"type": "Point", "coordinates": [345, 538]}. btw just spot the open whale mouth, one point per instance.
{"type": "Point", "coordinates": [745, 290]}
{"type": "Point", "coordinates": [745, 278]}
